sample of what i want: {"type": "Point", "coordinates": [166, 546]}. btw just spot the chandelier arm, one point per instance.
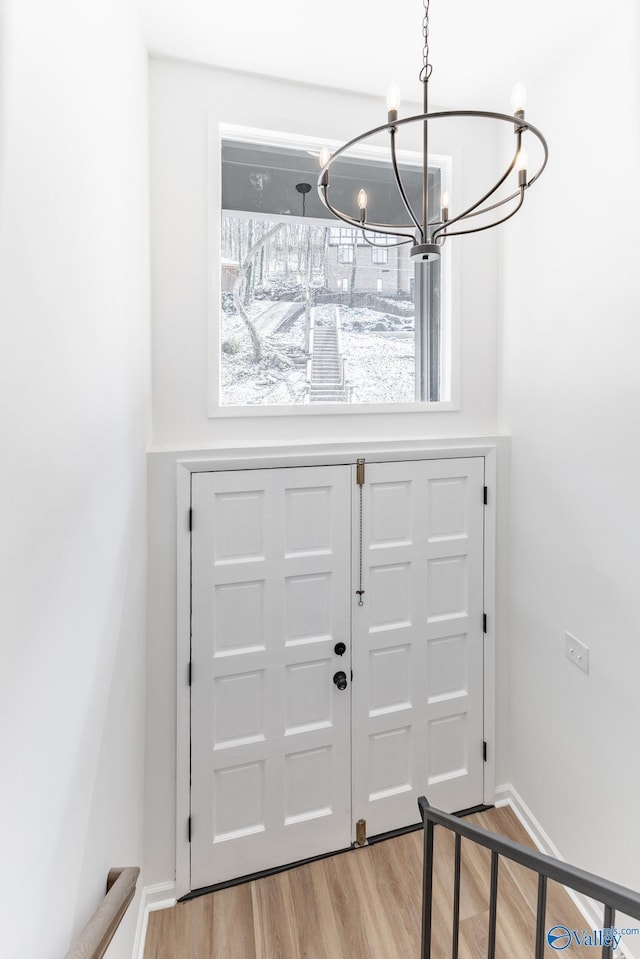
{"type": "Point", "coordinates": [399, 184]}
{"type": "Point", "coordinates": [494, 206]}
{"type": "Point", "coordinates": [394, 229]}
{"type": "Point", "coordinates": [469, 211]}
{"type": "Point", "coordinates": [386, 228]}
{"type": "Point", "coordinates": [488, 226]}
{"type": "Point", "coordinates": [385, 246]}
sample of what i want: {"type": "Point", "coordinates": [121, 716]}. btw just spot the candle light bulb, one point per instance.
{"type": "Point", "coordinates": [393, 98]}
{"type": "Point", "coordinates": [324, 157]}
{"type": "Point", "coordinates": [523, 159]}
{"type": "Point", "coordinates": [362, 199]}
{"type": "Point", "coordinates": [444, 206]}
{"type": "Point", "coordinates": [518, 98]}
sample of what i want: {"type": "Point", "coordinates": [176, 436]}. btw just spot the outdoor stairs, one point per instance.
{"type": "Point", "coordinates": [327, 381]}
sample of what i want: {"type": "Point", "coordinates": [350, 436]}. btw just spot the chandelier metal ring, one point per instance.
{"type": "Point", "coordinates": [440, 226]}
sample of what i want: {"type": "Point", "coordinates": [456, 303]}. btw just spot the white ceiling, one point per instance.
{"type": "Point", "coordinates": [478, 49]}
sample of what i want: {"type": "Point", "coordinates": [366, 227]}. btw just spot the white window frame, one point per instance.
{"type": "Point", "coordinates": [450, 344]}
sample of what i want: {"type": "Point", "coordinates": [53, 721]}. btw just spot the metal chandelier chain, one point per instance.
{"type": "Point", "coordinates": [427, 67]}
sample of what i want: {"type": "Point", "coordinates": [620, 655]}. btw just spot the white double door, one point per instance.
{"type": "Point", "coordinates": [293, 738]}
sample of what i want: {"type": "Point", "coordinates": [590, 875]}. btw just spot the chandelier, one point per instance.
{"type": "Point", "coordinates": [429, 229]}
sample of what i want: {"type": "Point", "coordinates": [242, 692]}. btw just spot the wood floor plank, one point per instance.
{"type": "Point", "coordinates": [161, 935]}
{"type": "Point", "coordinates": [317, 936]}
{"type": "Point", "coordinates": [193, 927]}
{"type": "Point", "coordinates": [274, 919]}
{"type": "Point", "coordinates": [232, 932]}
{"type": "Point", "coordinates": [345, 902]}
{"type": "Point", "coordinates": [386, 866]}
{"type": "Point", "coordinates": [385, 935]}
{"type": "Point", "coordinates": [367, 904]}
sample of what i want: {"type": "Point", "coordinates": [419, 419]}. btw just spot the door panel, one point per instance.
{"type": "Point", "coordinates": [270, 730]}
{"type": "Point", "coordinates": [281, 768]}
{"type": "Point", "coordinates": [418, 641]}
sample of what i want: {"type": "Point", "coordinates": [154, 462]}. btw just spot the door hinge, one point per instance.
{"type": "Point", "coordinates": [189, 673]}
{"type": "Point", "coordinates": [360, 472]}
{"type": "Point", "coordinates": [484, 622]}
{"type": "Point", "coordinates": [484, 752]}
{"type": "Point", "coordinates": [351, 675]}
{"type": "Point", "coordinates": [485, 498]}
{"type": "Point", "coordinates": [189, 829]}
{"type": "Point", "coordinates": [361, 832]}
{"type": "Point", "coordinates": [190, 519]}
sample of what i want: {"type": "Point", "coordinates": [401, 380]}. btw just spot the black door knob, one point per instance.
{"type": "Point", "coordinates": [339, 649]}
{"type": "Point", "coordinates": [340, 679]}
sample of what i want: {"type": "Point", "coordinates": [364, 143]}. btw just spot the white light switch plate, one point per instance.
{"type": "Point", "coordinates": [577, 652]}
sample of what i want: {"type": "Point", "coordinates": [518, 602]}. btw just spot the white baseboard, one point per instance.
{"type": "Point", "coordinates": [507, 795]}
{"type": "Point", "coordinates": [160, 896]}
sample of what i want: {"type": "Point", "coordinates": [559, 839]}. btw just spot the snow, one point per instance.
{"type": "Point", "coordinates": [379, 350]}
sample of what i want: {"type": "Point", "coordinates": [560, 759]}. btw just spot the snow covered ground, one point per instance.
{"type": "Point", "coordinates": [379, 350]}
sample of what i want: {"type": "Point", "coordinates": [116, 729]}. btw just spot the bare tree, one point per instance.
{"type": "Point", "coordinates": [240, 285]}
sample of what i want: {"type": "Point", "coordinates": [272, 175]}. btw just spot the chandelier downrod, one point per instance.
{"type": "Point", "coordinates": [422, 250]}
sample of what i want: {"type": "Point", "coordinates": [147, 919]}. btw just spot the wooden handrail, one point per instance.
{"type": "Point", "coordinates": [93, 941]}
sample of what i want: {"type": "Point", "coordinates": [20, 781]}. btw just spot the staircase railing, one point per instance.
{"type": "Point", "coordinates": [342, 359]}
{"type": "Point", "coordinates": [307, 385]}
{"type": "Point", "coordinates": [613, 897]}
{"type": "Point", "coordinates": [93, 941]}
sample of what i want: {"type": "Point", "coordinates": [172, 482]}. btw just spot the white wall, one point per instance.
{"type": "Point", "coordinates": [182, 97]}
{"type": "Point", "coordinates": [74, 386]}
{"type": "Point", "coordinates": [571, 400]}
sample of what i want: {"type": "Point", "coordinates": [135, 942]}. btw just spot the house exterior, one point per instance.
{"type": "Point", "coordinates": [351, 261]}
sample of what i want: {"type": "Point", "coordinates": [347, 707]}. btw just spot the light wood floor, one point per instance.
{"type": "Point", "coordinates": [366, 904]}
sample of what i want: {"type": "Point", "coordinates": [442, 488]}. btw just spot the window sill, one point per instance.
{"type": "Point", "coordinates": [331, 409]}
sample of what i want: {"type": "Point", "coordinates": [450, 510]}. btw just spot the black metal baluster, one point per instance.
{"type": "Point", "coordinates": [456, 900]}
{"type": "Point", "coordinates": [493, 906]}
{"type": "Point", "coordinates": [427, 889]}
{"type": "Point", "coordinates": [540, 916]}
{"type": "Point", "coordinates": [607, 923]}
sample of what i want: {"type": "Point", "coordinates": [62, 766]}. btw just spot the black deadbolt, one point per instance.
{"type": "Point", "coordinates": [340, 679]}
{"type": "Point", "coordinates": [339, 649]}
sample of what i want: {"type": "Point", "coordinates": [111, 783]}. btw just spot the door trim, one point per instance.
{"type": "Point", "coordinates": [314, 455]}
